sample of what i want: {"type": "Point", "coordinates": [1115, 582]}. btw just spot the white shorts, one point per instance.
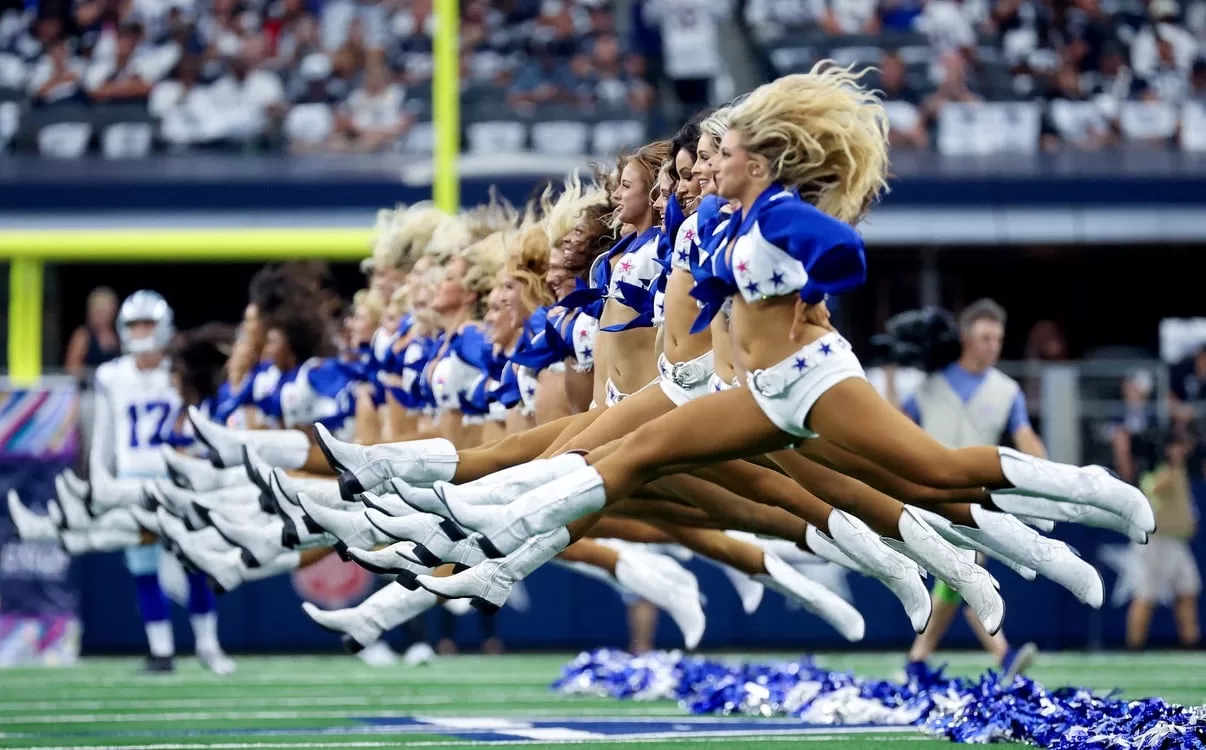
{"type": "Point", "coordinates": [615, 395]}
{"type": "Point", "coordinates": [716, 384]}
{"type": "Point", "coordinates": [684, 381]}
{"type": "Point", "coordinates": [786, 391]}
{"type": "Point", "coordinates": [1167, 570]}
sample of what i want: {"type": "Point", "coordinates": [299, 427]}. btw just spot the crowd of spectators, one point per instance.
{"type": "Point", "coordinates": [355, 75]}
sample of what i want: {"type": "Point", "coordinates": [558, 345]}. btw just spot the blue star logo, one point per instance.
{"type": "Point", "coordinates": [684, 255]}
{"type": "Point", "coordinates": [530, 392]}
{"type": "Point", "coordinates": [801, 363]}
{"type": "Point", "coordinates": [587, 352]}
{"type": "Point", "coordinates": [826, 349]}
{"type": "Point", "coordinates": [776, 278]}
{"type": "Point", "coordinates": [752, 288]}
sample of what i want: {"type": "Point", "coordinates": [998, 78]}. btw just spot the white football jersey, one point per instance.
{"type": "Point", "coordinates": [136, 411]}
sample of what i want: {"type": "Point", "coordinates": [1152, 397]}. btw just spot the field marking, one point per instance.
{"type": "Point", "coordinates": [453, 743]}
{"type": "Point", "coordinates": [68, 705]}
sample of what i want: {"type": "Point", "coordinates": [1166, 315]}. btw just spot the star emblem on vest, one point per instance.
{"type": "Point", "coordinates": [626, 266]}
{"type": "Point", "coordinates": [826, 349]}
{"type": "Point", "coordinates": [583, 334]}
{"type": "Point", "coordinates": [742, 267]}
{"type": "Point", "coordinates": [801, 364]}
{"type": "Point", "coordinates": [751, 287]}
{"type": "Point", "coordinates": [684, 255]}
{"type": "Point", "coordinates": [587, 352]}
{"type": "Point", "coordinates": [689, 234]}
{"type": "Point", "coordinates": [776, 279]}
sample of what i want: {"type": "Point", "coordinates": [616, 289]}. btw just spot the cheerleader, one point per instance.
{"type": "Point", "coordinates": [799, 151]}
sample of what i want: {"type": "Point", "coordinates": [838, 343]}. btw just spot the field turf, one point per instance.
{"type": "Point", "coordinates": [334, 702]}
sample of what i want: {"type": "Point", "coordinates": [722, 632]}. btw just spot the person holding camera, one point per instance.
{"type": "Point", "coordinates": [1168, 572]}
{"type": "Point", "coordinates": [964, 403]}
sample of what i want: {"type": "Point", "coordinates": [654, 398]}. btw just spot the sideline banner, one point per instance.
{"type": "Point", "coordinates": [39, 437]}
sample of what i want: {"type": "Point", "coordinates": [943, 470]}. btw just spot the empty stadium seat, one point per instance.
{"type": "Point", "coordinates": [126, 140]}
{"type": "Point", "coordinates": [613, 136]}
{"type": "Point", "coordinates": [10, 120]}
{"type": "Point", "coordinates": [420, 139]}
{"type": "Point", "coordinates": [495, 136]}
{"type": "Point", "coordinates": [988, 128]}
{"type": "Point", "coordinates": [1193, 127]}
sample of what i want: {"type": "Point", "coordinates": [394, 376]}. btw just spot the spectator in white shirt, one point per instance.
{"type": "Point", "coordinates": [248, 96]}
{"type": "Point", "coordinates": [690, 46]}
{"type": "Point", "coordinates": [1145, 52]}
{"type": "Point", "coordinates": [1072, 118]}
{"type": "Point", "coordinates": [58, 76]}
{"type": "Point", "coordinates": [953, 87]}
{"type": "Point", "coordinates": [338, 16]}
{"type": "Point", "coordinates": [310, 123]}
{"type": "Point", "coordinates": [851, 17]}
{"type": "Point", "coordinates": [186, 107]}
{"type": "Point", "coordinates": [901, 100]}
{"type": "Point", "coordinates": [373, 118]}
{"type": "Point", "coordinates": [129, 75]}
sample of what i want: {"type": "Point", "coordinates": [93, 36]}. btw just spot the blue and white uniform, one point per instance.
{"type": "Point", "coordinates": [317, 391]}
{"type": "Point", "coordinates": [780, 246]}
{"type": "Point", "coordinates": [456, 369]}
{"type": "Point", "coordinates": [683, 381]}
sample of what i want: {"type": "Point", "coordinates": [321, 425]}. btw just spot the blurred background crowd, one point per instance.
{"type": "Point", "coordinates": [584, 76]}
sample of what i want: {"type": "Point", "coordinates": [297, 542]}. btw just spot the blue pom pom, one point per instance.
{"type": "Point", "coordinates": [963, 710]}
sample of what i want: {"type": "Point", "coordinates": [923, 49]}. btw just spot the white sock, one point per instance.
{"type": "Point", "coordinates": [205, 631]}
{"type": "Point", "coordinates": [287, 449]}
{"type": "Point", "coordinates": [160, 639]}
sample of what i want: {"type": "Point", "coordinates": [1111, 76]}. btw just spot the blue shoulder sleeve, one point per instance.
{"type": "Point", "coordinates": [329, 378]}
{"type": "Point", "coordinates": [831, 251]}
{"type": "Point", "coordinates": [473, 347]}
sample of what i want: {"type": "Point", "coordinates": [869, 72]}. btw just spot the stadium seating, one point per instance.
{"type": "Point", "coordinates": [1011, 104]}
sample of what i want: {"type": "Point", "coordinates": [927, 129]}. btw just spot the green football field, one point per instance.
{"type": "Point", "coordinates": [460, 702]}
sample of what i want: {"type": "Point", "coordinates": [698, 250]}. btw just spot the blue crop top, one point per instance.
{"type": "Point", "coordinates": [780, 246]}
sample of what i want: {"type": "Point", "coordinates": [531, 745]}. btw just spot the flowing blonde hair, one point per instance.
{"type": "Point", "coordinates": [372, 301]}
{"type": "Point", "coordinates": [528, 264]}
{"type": "Point", "coordinates": [822, 133]}
{"type": "Point", "coordinates": [485, 259]}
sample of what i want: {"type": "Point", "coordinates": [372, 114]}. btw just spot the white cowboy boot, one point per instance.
{"type": "Point", "coordinates": [199, 475]}
{"type": "Point", "coordinates": [351, 527]}
{"type": "Point", "coordinates": [955, 536]}
{"type": "Point", "coordinates": [114, 530]}
{"type": "Point", "coordinates": [814, 597]}
{"type": "Point", "coordinates": [433, 537]}
{"type": "Point", "coordinates": [31, 527]}
{"type": "Point", "coordinates": [389, 503]}
{"type": "Point", "coordinates": [287, 449]}
{"type": "Point", "coordinates": [667, 585]}
{"type": "Point", "coordinates": [489, 583]}
{"type": "Point", "coordinates": [1025, 546]}
{"type": "Point", "coordinates": [364, 624]}
{"type": "Point", "coordinates": [1090, 485]}
{"type": "Point", "coordinates": [924, 546]}
{"type": "Point", "coordinates": [504, 486]}
{"type": "Point", "coordinates": [107, 492]}
{"type": "Point", "coordinates": [538, 511]}
{"type": "Point", "coordinates": [418, 462]}
{"type": "Point", "coordinates": [879, 561]}
{"type": "Point", "coordinates": [1085, 515]}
